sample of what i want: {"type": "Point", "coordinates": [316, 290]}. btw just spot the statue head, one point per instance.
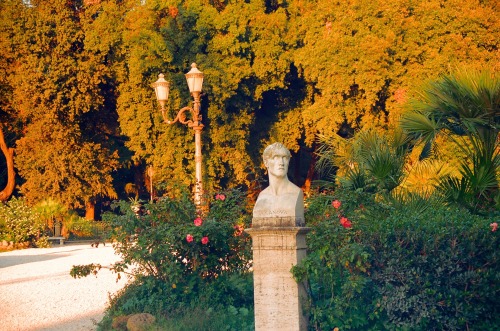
{"type": "Point", "coordinates": [276, 159]}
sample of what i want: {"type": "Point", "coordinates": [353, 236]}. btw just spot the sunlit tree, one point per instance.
{"type": "Point", "coordinates": [274, 71]}
{"type": "Point", "coordinates": [58, 96]}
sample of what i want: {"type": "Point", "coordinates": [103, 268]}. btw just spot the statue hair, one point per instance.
{"type": "Point", "coordinates": [272, 149]}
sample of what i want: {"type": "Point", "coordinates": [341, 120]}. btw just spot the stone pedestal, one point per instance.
{"type": "Point", "coordinates": [278, 244]}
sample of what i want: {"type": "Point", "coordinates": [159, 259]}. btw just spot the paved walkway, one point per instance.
{"type": "Point", "coordinates": [37, 292]}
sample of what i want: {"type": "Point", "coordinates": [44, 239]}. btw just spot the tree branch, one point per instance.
{"type": "Point", "coordinates": [11, 174]}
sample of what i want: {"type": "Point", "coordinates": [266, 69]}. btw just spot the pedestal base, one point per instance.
{"type": "Point", "coordinates": [276, 293]}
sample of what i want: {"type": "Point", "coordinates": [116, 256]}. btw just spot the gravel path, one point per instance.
{"type": "Point", "coordinates": [37, 292]}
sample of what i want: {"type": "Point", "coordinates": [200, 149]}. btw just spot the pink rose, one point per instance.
{"type": "Point", "coordinates": [189, 238]}
{"type": "Point", "coordinates": [336, 204]}
{"type": "Point", "coordinates": [198, 221]}
{"type": "Point", "coordinates": [204, 240]}
{"type": "Point", "coordinates": [345, 222]}
{"type": "Point", "coordinates": [238, 229]}
{"type": "Point", "coordinates": [220, 197]}
{"type": "Point", "coordinates": [494, 226]}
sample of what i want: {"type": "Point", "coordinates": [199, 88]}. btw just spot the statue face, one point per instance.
{"type": "Point", "coordinates": [277, 165]}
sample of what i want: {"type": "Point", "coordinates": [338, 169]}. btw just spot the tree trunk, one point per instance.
{"type": "Point", "coordinates": [11, 174]}
{"type": "Point", "coordinates": [310, 173]}
{"type": "Point", "coordinates": [90, 210]}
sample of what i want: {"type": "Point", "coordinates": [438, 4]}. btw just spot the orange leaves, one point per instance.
{"type": "Point", "coordinates": [173, 11]}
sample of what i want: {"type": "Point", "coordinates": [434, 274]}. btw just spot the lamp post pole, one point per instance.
{"type": "Point", "coordinates": [195, 82]}
{"type": "Point", "coordinates": [197, 127]}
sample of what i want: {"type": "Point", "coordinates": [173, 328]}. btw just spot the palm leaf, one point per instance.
{"type": "Point", "coordinates": [466, 107]}
{"type": "Point", "coordinates": [455, 189]}
{"type": "Point", "coordinates": [426, 175]}
{"type": "Point", "coordinates": [419, 126]}
{"type": "Point", "coordinates": [412, 202]}
{"type": "Point", "coordinates": [354, 179]}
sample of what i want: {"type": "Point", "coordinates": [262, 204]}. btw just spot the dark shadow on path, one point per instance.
{"type": "Point", "coordinates": [12, 260]}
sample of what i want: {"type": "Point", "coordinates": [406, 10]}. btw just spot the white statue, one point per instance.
{"type": "Point", "coordinates": [282, 198]}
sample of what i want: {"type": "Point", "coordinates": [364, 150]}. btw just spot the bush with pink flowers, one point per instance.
{"type": "Point", "coordinates": [182, 259]}
{"type": "Point", "coordinates": [378, 263]}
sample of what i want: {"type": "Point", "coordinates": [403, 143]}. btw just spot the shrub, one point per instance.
{"type": "Point", "coordinates": [437, 270]}
{"type": "Point", "coordinates": [80, 226]}
{"type": "Point", "coordinates": [400, 266]}
{"type": "Point", "coordinates": [209, 319]}
{"type": "Point", "coordinates": [221, 304]}
{"type": "Point", "coordinates": [42, 242]}
{"type": "Point", "coordinates": [181, 259]}
{"type": "Point", "coordinates": [18, 222]}
{"type": "Point", "coordinates": [52, 212]}
{"type": "Point", "coordinates": [337, 264]}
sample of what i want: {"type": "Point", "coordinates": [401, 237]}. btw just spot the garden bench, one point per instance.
{"type": "Point", "coordinates": [61, 239]}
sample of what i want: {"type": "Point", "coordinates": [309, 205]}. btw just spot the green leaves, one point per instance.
{"type": "Point", "coordinates": [79, 271]}
{"type": "Point", "coordinates": [57, 162]}
{"type": "Point", "coordinates": [407, 263]}
{"type": "Point", "coordinates": [369, 160]}
{"type": "Point", "coordinates": [460, 106]}
{"type": "Point", "coordinates": [172, 274]}
{"type": "Point", "coordinates": [59, 91]}
{"type": "Point", "coordinates": [419, 126]}
{"type": "Point", "coordinates": [162, 247]}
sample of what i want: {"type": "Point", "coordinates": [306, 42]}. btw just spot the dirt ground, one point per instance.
{"type": "Point", "coordinates": [37, 292]}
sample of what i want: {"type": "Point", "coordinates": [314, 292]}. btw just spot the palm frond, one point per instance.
{"type": "Point", "coordinates": [355, 179]}
{"type": "Point", "coordinates": [412, 202]}
{"type": "Point", "coordinates": [482, 175]}
{"type": "Point", "coordinates": [419, 126]}
{"type": "Point", "coordinates": [333, 153]}
{"type": "Point", "coordinates": [465, 106]}
{"type": "Point", "coordinates": [455, 189]}
{"type": "Point", "coordinates": [426, 175]}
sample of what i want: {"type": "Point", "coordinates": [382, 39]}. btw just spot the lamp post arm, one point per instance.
{"type": "Point", "coordinates": [181, 117]}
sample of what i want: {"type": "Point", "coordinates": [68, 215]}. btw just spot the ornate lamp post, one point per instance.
{"type": "Point", "coordinates": [195, 82]}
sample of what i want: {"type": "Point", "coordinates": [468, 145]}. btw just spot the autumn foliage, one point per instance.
{"type": "Point", "coordinates": [77, 103]}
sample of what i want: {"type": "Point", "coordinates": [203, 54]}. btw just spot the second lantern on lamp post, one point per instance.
{"type": "Point", "coordinates": [195, 82]}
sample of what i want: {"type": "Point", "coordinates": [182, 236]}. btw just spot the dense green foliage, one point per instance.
{"type": "Point", "coordinates": [180, 261]}
{"type": "Point", "coordinates": [51, 212]}
{"type": "Point", "coordinates": [23, 224]}
{"type": "Point", "coordinates": [370, 161]}
{"type": "Point", "coordinates": [76, 102]}
{"type": "Point", "coordinates": [399, 266]}
{"type": "Point", "coordinates": [75, 92]}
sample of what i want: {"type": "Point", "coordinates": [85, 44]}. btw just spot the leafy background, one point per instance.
{"type": "Point", "coordinates": [77, 105]}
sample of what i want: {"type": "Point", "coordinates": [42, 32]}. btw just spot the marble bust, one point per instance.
{"type": "Point", "coordinates": [282, 202]}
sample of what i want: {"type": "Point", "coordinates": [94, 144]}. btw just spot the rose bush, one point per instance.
{"type": "Point", "coordinates": [399, 265]}
{"type": "Point", "coordinates": [181, 258]}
